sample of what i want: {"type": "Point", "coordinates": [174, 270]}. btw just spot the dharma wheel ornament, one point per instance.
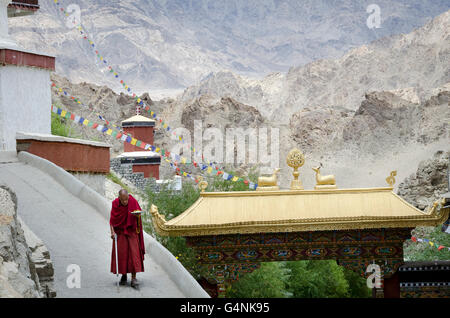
{"type": "Point", "coordinates": [202, 184]}
{"type": "Point", "coordinates": [295, 159]}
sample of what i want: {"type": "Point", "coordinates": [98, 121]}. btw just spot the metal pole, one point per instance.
{"type": "Point", "coordinates": [117, 262]}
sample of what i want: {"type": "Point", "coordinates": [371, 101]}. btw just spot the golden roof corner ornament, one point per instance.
{"type": "Point", "coordinates": [153, 209]}
{"type": "Point", "coordinates": [202, 184]}
{"type": "Point", "coordinates": [391, 180]}
{"type": "Point", "coordinates": [269, 183]}
{"type": "Point", "coordinates": [154, 212]}
{"type": "Point", "coordinates": [295, 159]}
{"type": "Point", "coordinates": [159, 220]}
{"type": "Point", "coordinates": [432, 208]}
{"type": "Point", "coordinates": [324, 182]}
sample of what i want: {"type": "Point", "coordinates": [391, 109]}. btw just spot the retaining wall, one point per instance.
{"type": "Point", "coordinates": [184, 280]}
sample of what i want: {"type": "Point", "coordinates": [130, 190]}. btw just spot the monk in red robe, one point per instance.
{"type": "Point", "coordinates": [130, 238]}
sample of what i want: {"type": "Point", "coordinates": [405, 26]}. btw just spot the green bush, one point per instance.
{"type": "Point", "coordinates": [60, 127]}
{"type": "Point", "coordinates": [421, 251]}
{"type": "Point", "coordinates": [269, 281]}
{"type": "Point", "coordinates": [357, 285]}
{"type": "Point", "coordinates": [314, 279]}
{"type": "Point", "coordinates": [300, 279]}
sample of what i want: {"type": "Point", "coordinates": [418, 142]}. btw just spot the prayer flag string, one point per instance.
{"type": "Point", "coordinates": [439, 247]}
{"type": "Point", "coordinates": [138, 143]}
{"type": "Point", "coordinates": [141, 103]}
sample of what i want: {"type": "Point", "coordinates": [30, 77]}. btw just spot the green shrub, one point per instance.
{"type": "Point", "coordinates": [317, 279]}
{"type": "Point", "coordinates": [268, 281]}
{"type": "Point", "coordinates": [60, 127]}
{"type": "Point", "coordinates": [425, 252]}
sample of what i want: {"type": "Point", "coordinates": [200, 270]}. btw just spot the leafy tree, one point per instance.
{"type": "Point", "coordinates": [268, 281]}
{"type": "Point", "coordinates": [317, 279]}
{"type": "Point", "coordinates": [357, 285]}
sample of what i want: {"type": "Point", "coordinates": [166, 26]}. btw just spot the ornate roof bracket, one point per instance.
{"type": "Point", "coordinates": [159, 221]}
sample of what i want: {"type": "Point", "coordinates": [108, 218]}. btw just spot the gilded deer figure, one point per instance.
{"type": "Point", "coordinates": [324, 180]}
{"type": "Point", "coordinates": [269, 181]}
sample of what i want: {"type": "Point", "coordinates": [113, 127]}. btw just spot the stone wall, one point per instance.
{"type": "Point", "coordinates": [126, 171]}
{"type": "Point", "coordinates": [25, 266]}
{"type": "Point", "coordinates": [40, 257]}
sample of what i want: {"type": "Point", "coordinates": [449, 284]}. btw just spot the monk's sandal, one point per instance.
{"type": "Point", "coordinates": [134, 283]}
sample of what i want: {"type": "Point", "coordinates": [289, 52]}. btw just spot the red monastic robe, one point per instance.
{"type": "Point", "coordinates": [130, 238]}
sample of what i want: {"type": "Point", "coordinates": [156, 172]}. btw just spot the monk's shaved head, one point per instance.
{"type": "Point", "coordinates": [123, 196]}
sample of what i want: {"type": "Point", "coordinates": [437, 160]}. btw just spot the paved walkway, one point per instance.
{"type": "Point", "coordinates": [75, 233]}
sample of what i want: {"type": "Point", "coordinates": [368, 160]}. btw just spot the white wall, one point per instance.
{"type": "Point", "coordinates": [94, 180]}
{"type": "Point", "coordinates": [25, 103]}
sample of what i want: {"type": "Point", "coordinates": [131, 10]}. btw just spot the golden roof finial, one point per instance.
{"type": "Point", "coordinates": [295, 159]}
{"type": "Point", "coordinates": [202, 184]}
{"type": "Point", "coordinates": [391, 180]}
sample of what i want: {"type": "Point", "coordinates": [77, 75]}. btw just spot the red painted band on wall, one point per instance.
{"type": "Point", "coordinates": [19, 58]}
{"type": "Point", "coordinates": [69, 156]}
{"type": "Point", "coordinates": [148, 170]}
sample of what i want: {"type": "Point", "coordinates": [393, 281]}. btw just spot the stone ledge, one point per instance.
{"type": "Point", "coordinates": [73, 155]}
{"type": "Point", "coordinates": [47, 137]}
{"type": "Point", "coordinates": [23, 58]}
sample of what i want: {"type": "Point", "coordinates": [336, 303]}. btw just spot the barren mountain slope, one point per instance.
{"type": "Point", "coordinates": [161, 44]}
{"type": "Point", "coordinates": [419, 61]}
{"type": "Point", "coordinates": [360, 139]}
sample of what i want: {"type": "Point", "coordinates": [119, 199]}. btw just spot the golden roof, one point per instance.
{"type": "Point", "coordinates": [138, 118]}
{"type": "Point", "coordinates": [217, 213]}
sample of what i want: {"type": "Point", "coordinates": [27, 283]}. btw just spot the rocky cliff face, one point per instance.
{"type": "Point", "coordinates": [25, 266]}
{"type": "Point", "coordinates": [171, 44]}
{"type": "Point", "coordinates": [385, 121]}
{"type": "Point", "coordinates": [222, 114]}
{"type": "Point", "coordinates": [417, 62]}
{"type": "Point", "coordinates": [329, 108]}
{"type": "Point", "coordinates": [422, 188]}
{"type": "Point", "coordinates": [428, 183]}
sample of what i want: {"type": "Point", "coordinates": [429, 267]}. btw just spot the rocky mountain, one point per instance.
{"type": "Point", "coordinates": [387, 132]}
{"type": "Point", "coordinates": [428, 183]}
{"type": "Point", "coordinates": [422, 188]}
{"type": "Point", "coordinates": [373, 132]}
{"type": "Point", "coordinates": [414, 63]}
{"type": "Point", "coordinates": [170, 44]}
